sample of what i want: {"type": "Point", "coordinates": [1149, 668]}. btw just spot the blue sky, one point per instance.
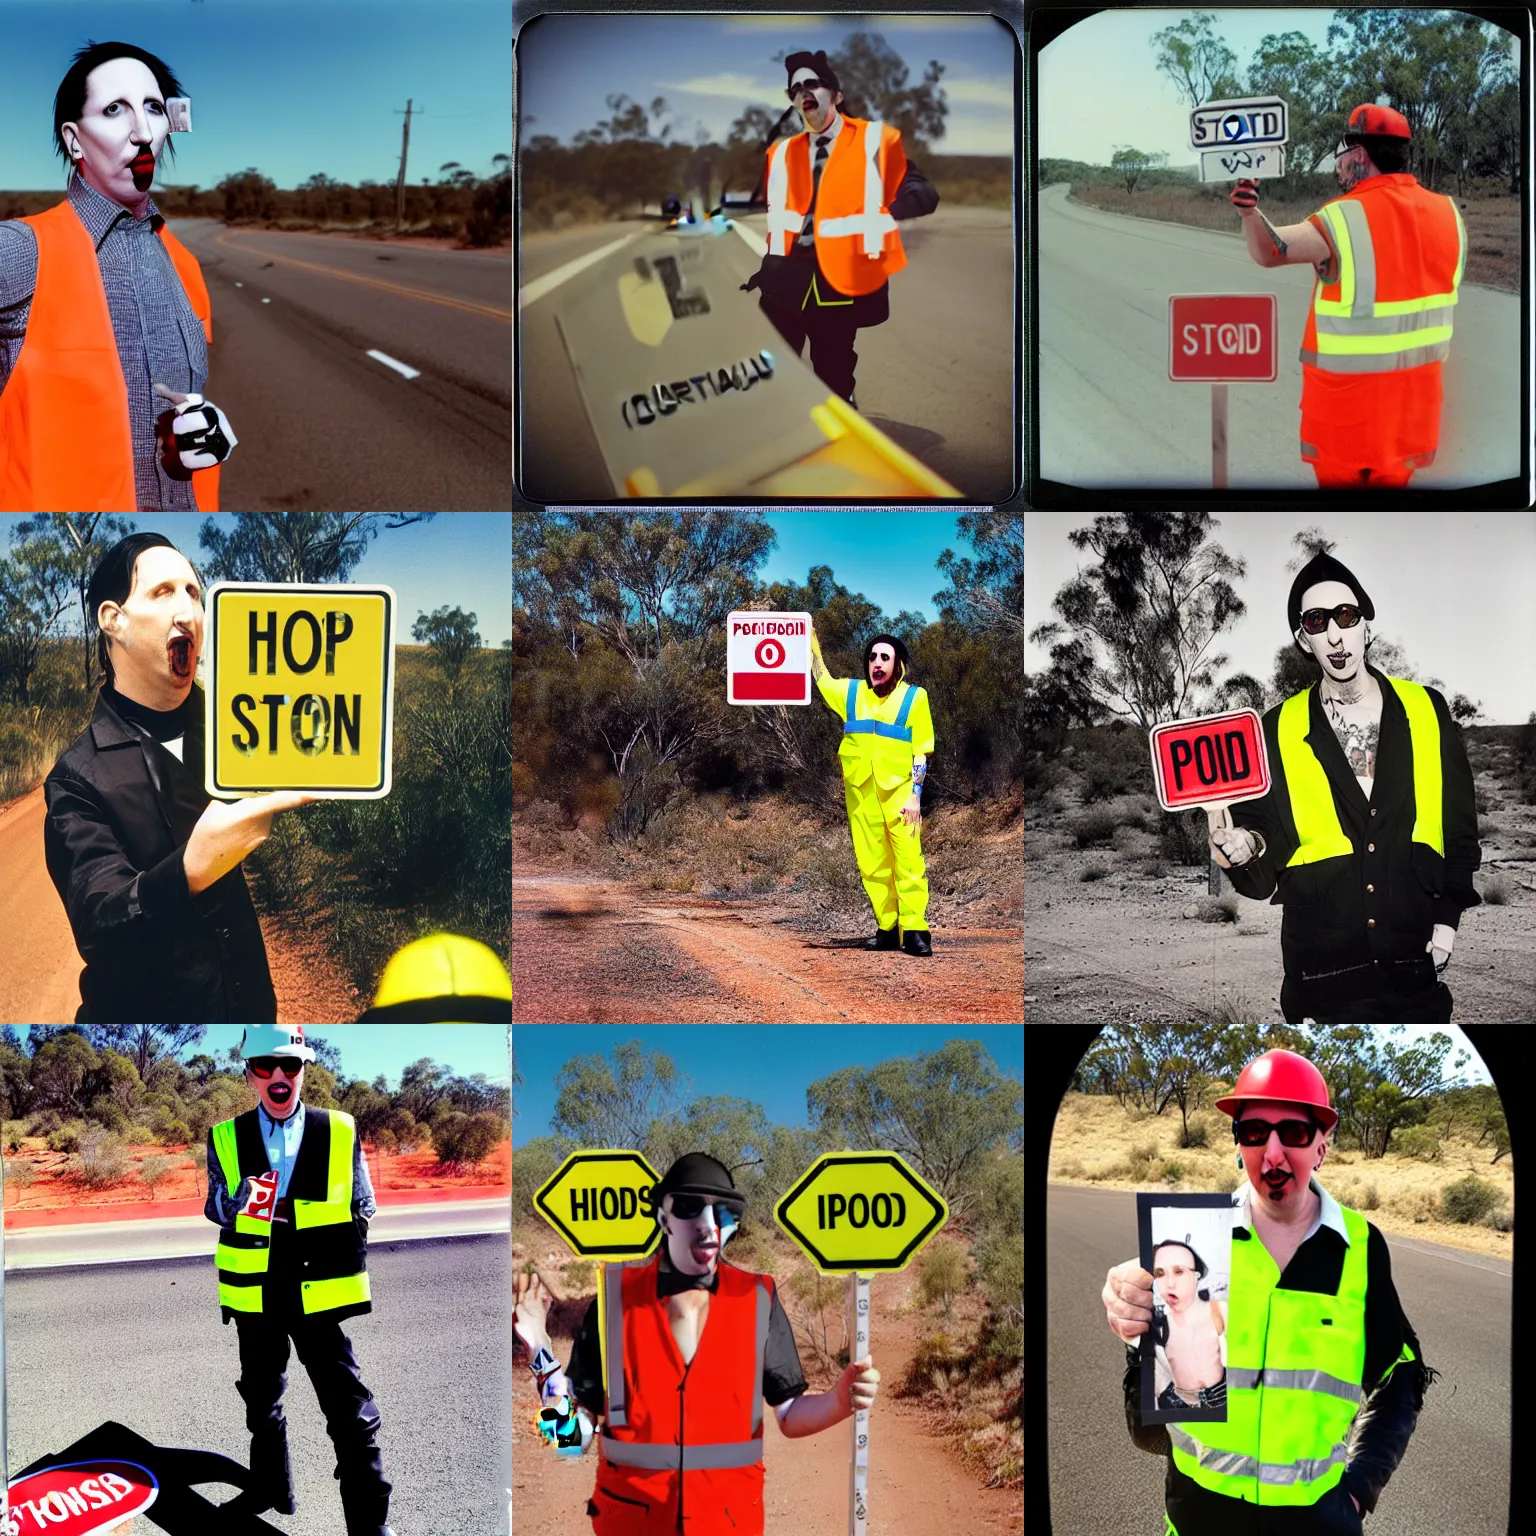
{"type": "Point", "coordinates": [369, 1049]}
{"type": "Point", "coordinates": [291, 87]}
{"type": "Point", "coordinates": [710, 68]}
{"type": "Point", "coordinates": [770, 1064]}
{"type": "Point", "coordinates": [459, 559]}
{"type": "Point", "coordinates": [888, 556]}
{"type": "Point", "coordinates": [1100, 85]}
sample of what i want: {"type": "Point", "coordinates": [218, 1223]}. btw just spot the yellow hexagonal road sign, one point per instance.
{"type": "Point", "coordinates": [861, 1211]}
{"type": "Point", "coordinates": [600, 1204]}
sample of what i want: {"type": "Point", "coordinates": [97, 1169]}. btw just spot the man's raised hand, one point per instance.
{"type": "Point", "coordinates": [530, 1310]}
{"type": "Point", "coordinates": [225, 833]}
{"type": "Point", "coordinates": [1231, 846]}
{"type": "Point", "coordinates": [1127, 1297]}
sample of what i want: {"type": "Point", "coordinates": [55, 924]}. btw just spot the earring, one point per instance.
{"type": "Point", "coordinates": [1239, 1159]}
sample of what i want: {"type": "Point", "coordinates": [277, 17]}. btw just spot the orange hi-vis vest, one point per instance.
{"type": "Point", "coordinates": [65, 444]}
{"type": "Point", "coordinates": [682, 1445]}
{"type": "Point", "coordinates": [1377, 335]}
{"type": "Point", "coordinates": [857, 245]}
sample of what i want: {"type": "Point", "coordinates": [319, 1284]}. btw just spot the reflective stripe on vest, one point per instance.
{"type": "Point", "coordinates": [248, 1250]}
{"type": "Point", "coordinates": [899, 731]}
{"type": "Point", "coordinates": [1295, 1373]}
{"type": "Point", "coordinates": [872, 224]}
{"type": "Point", "coordinates": [784, 222]}
{"type": "Point", "coordinates": [1318, 828]}
{"type": "Point", "coordinates": [1357, 334]}
{"type": "Point", "coordinates": [669, 1456]}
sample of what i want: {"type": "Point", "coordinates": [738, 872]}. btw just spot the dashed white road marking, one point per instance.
{"type": "Point", "coordinates": [395, 363]}
{"type": "Point", "coordinates": [552, 280]}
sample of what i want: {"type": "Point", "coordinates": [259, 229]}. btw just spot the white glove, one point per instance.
{"type": "Point", "coordinates": [1237, 843]}
{"type": "Point", "coordinates": [1442, 941]}
{"type": "Point", "coordinates": [195, 433]}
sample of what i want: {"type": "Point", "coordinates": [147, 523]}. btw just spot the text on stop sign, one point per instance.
{"type": "Point", "coordinates": [1230, 340]}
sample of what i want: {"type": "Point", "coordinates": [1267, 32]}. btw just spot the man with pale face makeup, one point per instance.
{"type": "Point", "coordinates": [1389, 257]}
{"type": "Point", "coordinates": [289, 1189]}
{"type": "Point", "coordinates": [688, 1349]}
{"type": "Point", "coordinates": [1324, 1374]}
{"type": "Point", "coordinates": [832, 240]}
{"type": "Point", "coordinates": [1193, 1344]}
{"type": "Point", "coordinates": [147, 866]}
{"type": "Point", "coordinates": [105, 319]}
{"type": "Point", "coordinates": [887, 740]}
{"type": "Point", "coordinates": [1368, 836]}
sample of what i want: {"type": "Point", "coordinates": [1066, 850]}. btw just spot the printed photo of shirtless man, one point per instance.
{"type": "Point", "coordinates": [1192, 1347]}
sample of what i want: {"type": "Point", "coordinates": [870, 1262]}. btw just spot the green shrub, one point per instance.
{"type": "Point", "coordinates": [44, 1122]}
{"type": "Point", "coordinates": [1198, 1135]}
{"type": "Point", "coordinates": [102, 1158]}
{"type": "Point", "coordinates": [1219, 909]}
{"type": "Point", "coordinates": [941, 1273]}
{"type": "Point", "coordinates": [1496, 891]}
{"type": "Point", "coordinates": [67, 1137]}
{"type": "Point", "coordinates": [1468, 1200]}
{"type": "Point", "coordinates": [1140, 1160]}
{"type": "Point", "coordinates": [1155, 869]}
{"type": "Point", "coordinates": [20, 1172]}
{"type": "Point", "coordinates": [1226, 1181]}
{"type": "Point", "coordinates": [1370, 1198]}
{"type": "Point", "coordinates": [1069, 1168]}
{"type": "Point", "coordinates": [460, 1139]}
{"type": "Point", "coordinates": [155, 1170]}
{"type": "Point", "coordinates": [11, 1134]}
{"type": "Point", "coordinates": [1172, 1171]}
{"type": "Point", "coordinates": [1094, 828]}
{"type": "Point", "coordinates": [1093, 872]}
{"type": "Point", "coordinates": [1501, 1220]}
{"type": "Point", "coordinates": [1418, 1141]}
{"type": "Point", "coordinates": [1183, 838]}
{"type": "Point", "coordinates": [579, 1276]}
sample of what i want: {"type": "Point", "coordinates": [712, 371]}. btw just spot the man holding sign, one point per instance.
{"type": "Point", "coordinates": [887, 737]}
{"type": "Point", "coordinates": [146, 864]}
{"type": "Point", "coordinates": [682, 1435]}
{"type": "Point", "coordinates": [1369, 837]}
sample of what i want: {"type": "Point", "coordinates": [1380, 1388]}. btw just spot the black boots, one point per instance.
{"type": "Point", "coordinates": [884, 938]}
{"type": "Point", "coordinates": [915, 942]}
{"type": "Point", "coordinates": [271, 1476]}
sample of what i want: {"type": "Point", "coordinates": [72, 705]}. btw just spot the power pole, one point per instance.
{"type": "Point", "coordinates": [405, 147]}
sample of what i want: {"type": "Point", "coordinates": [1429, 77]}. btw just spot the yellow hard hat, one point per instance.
{"type": "Point", "coordinates": [443, 979]}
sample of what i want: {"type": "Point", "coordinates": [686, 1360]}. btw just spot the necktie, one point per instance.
{"type": "Point", "coordinates": [807, 236]}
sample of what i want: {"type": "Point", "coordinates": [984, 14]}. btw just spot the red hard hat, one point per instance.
{"type": "Point", "coordinates": [1378, 122]}
{"type": "Point", "coordinates": [1281, 1075]}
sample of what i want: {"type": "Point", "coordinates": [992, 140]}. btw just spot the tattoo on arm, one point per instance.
{"type": "Point", "coordinates": [1274, 237]}
{"type": "Point", "coordinates": [818, 671]}
{"type": "Point", "coordinates": [919, 771]}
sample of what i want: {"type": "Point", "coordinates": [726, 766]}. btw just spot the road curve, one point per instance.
{"type": "Point", "coordinates": [1454, 1479]}
{"type": "Point", "coordinates": [1110, 416]}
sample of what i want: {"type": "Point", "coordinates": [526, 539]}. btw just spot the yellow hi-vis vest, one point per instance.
{"type": "Point", "coordinates": [1295, 1373]}
{"type": "Point", "coordinates": [1312, 808]}
{"type": "Point", "coordinates": [331, 1253]}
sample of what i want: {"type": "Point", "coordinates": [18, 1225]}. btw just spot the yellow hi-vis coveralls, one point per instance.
{"type": "Point", "coordinates": [880, 739]}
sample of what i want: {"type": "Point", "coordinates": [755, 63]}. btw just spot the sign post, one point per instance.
{"type": "Point", "coordinates": [1213, 761]}
{"type": "Point", "coordinates": [858, 1213]}
{"type": "Point", "coordinates": [767, 658]}
{"type": "Point", "coordinates": [300, 689]}
{"type": "Point", "coordinates": [1218, 338]}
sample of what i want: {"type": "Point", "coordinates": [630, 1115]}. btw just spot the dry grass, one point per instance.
{"type": "Point", "coordinates": [1493, 223]}
{"type": "Point", "coordinates": [1098, 1142]}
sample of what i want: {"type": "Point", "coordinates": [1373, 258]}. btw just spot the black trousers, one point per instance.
{"type": "Point", "coordinates": [1431, 1007]}
{"type": "Point", "coordinates": [792, 306]}
{"type": "Point", "coordinates": [351, 1416]}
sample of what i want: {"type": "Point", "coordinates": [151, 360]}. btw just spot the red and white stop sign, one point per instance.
{"type": "Point", "coordinates": [1223, 338]}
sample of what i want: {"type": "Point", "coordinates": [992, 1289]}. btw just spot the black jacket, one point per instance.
{"type": "Point", "coordinates": [1332, 949]}
{"type": "Point", "coordinates": [784, 279]}
{"type": "Point", "coordinates": [1377, 1440]}
{"type": "Point", "coordinates": [120, 810]}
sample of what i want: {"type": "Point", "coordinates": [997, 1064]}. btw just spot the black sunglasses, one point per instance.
{"type": "Point", "coordinates": [795, 92]}
{"type": "Point", "coordinates": [1315, 620]}
{"type": "Point", "coordinates": [1293, 1133]}
{"type": "Point", "coordinates": [690, 1207]}
{"type": "Point", "coordinates": [265, 1066]}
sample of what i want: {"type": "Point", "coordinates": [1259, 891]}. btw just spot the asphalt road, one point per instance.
{"type": "Point", "coordinates": [321, 424]}
{"type": "Point", "coordinates": [1453, 1481]}
{"type": "Point", "coordinates": [1110, 416]}
{"type": "Point", "coordinates": [937, 378]}
{"type": "Point", "coordinates": [180, 1237]}
{"type": "Point", "coordinates": [143, 1344]}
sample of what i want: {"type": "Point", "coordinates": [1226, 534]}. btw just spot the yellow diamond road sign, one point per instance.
{"type": "Point", "coordinates": [863, 1211]}
{"type": "Point", "coordinates": [600, 1203]}
{"type": "Point", "coordinates": [300, 689]}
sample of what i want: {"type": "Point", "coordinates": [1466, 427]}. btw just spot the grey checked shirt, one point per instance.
{"type": "Point", "coordinates": [159, 339]}
{"type": "Point", "coordinates": [282, 1152]}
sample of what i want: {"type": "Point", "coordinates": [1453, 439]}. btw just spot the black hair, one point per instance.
{"type": "Point", "coordinates": [899, 650]}
{"type": "Point", "coordinates": [1388, 155]}
{"type": "Point", "coordinates": [69, 102]}
{"type": "Point", "coordinates": [1201, 1267]}
{"type": "Point", "coordinates": [112, 581]}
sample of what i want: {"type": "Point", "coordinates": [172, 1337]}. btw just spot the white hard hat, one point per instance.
{"type": "Point", "coordinates": [275, 1040]}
